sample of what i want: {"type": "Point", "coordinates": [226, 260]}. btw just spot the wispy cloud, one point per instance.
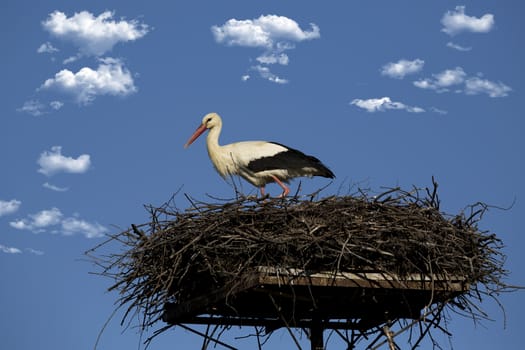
{"type": "Point", "coordinates": [438, 110]}
{"type": "Point", "coordinates": [476, 85]}
{"type": "Point", "coordinates": [457, 78]}
{"type": "Point", "coordinates": [72, 226]}
{"type": "Point", "coordinates": [110, 78]}
{"type": "Point", "coordinates": [34, 251]}
{"type": "Point", "coordinates": [271, 33]}
{"type": "Point", "coordinates": [458, 47]}
{"type": "Point", "coordinates": [383, 104]}
{"type": "Point", "coordinates": [47, 47]}
{"type": "Point", "coordinates": [54, 188]}
{"type": "Point", "coordinates": [93, 35]}
{"type": "Point", "coordinates": [456, 21]}
{"type": "Point", "coordinates": [53, 221]}
{"type": "Point", "coordinates": [56, 105]}
{"type": "Point", "coordinates": [9, 207]}
{"type": "Point", "coordinates": [265, 73]}
{"type": "Point", "coordinates": [37, 108]}
{"type": "Point", "coordinates": [52, 162]}
{"type": "Point", "coordinates": [9, 250]}
{"type": "Point", "coordinates": [40, 221]}
{"type": "Point", "coordinates": [33, 107]}
{"type": "Point", "coordinates": [442, 81]}
{"type": "Point", "coordinates": [402, 68]}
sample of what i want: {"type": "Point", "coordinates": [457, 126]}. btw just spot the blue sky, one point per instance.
{"type": "Point", "coordinates": [100, 97]}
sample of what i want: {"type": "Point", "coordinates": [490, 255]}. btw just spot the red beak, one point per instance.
{"type": "Point", "coordinates": [196, 134]}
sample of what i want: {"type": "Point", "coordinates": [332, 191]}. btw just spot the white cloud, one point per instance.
{"type": "Point", "coordinates": [71, 226]}
{"type": "Point", "coordinates": [457, 77]}
{"type": "Point", "coordinates": [245, 77]}
{"type": "Point", "coordinates": [33, 107]}
{"type": "Point", "coordinates": [71, 59]}
{"type": "Point", "coordinates": [475, 86]}
{"type": "Point", "coordinates": [402, 67]}
{"type": "Point", "coordinates": [52, 162]}
{"type": "Point", "coordinates": [55, 188]}
{"type": "Point", "coordinates": [94, 36]}
{"type": "Point", "coordinates": [457, 21]}
{"type": "Point", "coordinates": [34, 251]}
{"type": "Point", "coordinates": [438, 111]}
{"type": "Point", "coordinates": [110, 78]}
{"type": "Point", "coordinates": [384, 104]}
{"type": "Point", "coordinates": [9, 250]}
{"type": "Point", "coordinates": [265, 73]}
{"type": "Point", "coordinates": [443, 81]}
{"type": "Point", "coordinates": [9, 207]}
{"type": "Point", "coordinates": [265, 31]}
{"type": "Point", "coordinates": [54, 219]}
{"type": "Point", "coordinates": [271, 33]}
{"type": "Point", "coordinates": [46, 47]}
{"type": "Point", "coordinates": [458, 47]}
{"type": "Point", "coordinates": [56, 105]}
{"type": "Point", "coordinates": [40, 221]}
{"type": "Point", "coordinates": [273, 58]}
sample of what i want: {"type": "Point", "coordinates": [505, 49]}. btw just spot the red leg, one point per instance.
{"type": "Point", "coordinates": [286, 190]}
{"type": "Point", "coordinates": [262, 191]}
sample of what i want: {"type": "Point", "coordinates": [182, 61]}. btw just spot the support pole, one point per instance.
{"type": "Point", "coordinates": [316, 335]}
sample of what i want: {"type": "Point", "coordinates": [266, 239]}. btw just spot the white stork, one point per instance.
{"type": "Point", "coordinates": [258, 162]}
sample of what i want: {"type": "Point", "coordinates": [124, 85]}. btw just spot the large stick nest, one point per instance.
{"type": "Point", "coordinates": [181, 254]}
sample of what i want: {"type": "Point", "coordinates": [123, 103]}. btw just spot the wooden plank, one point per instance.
{"type": "Point", "coordinates": [291, 277]}
{"type": "Point", "coordinates": [358, 295]}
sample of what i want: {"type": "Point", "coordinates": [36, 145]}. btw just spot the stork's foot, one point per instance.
{"type": "Point", "coordinates": [285, 188]}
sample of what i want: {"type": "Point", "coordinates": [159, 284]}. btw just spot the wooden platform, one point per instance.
{"type": "Point", "coordinates": [275, 298]}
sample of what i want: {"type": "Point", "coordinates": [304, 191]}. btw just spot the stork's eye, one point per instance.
{"type": "Point", "coordinates": [208, 120]}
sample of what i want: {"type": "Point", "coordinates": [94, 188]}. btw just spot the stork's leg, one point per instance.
{"type": "Point", "coordinates": [286, 190]}
{"type": "Point", "coordinates": [262, 191]}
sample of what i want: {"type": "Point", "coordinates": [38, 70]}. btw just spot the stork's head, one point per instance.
{"type": "Point", "coordinates": [209, 121]}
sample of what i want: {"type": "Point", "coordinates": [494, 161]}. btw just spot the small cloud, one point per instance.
{"type": "Point", "coordinates": [94, 36]}
{"type": "Point", "coordinates": [56, 105]}
{"type": "Point", "coordinates": [52, 162]}
{"type": "Point", "coordinates": [475, 86]}
{"type": "Point", "coordinates": [40, 221]}
{"type": "Point", "coordinates": [54, 220]}
{"type": "Point", "coordinates": [458, 47]}
{"type": "Point", "coordinates": [402, 68]}
{"type": "Point", "coordinates": [245, 77]}
{"type": "Point", "coordinates": [9, 250]}
{"type": "Point", "coordinates": [71, 59]}
{"type": "Point", "coordinates": [438, 111]}
{"type": "Point", "coordinates": [55, 188]}
{"type": "Point", "coordinates": [271, 33]}
{"type": "Point", "coordinates": [110, 78]}
{"type": "Point", "coordinates": [34, 251]}
{"type": "Point", "coordinates": [383, 104]}
{"type": "Point", "coordinates": [9, 207]}
{"type": "Point", "coordinates": [71, 226]}
{"type": "Point", "coordinates": [266, 32]}
{"type": "Point", "coordinates": [442, 82]}
{"type": "Point", "coordinates": [265, 73]}
{"type": "Point", "coordinates": [273, 58]}
{"type": "Point", "coordinates": [46, 48]}
{"type": "Point", "coordinates": [456, 21]}
{"type": "Point", "coordinates": [33, 107]}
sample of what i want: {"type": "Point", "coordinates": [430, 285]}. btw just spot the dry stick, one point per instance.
{"type": "Point", "coordinates": [205, 336]}
{"type": "Point", "coordinates": [285, 322]}
{"type": "Point", "coordinates": [389, 337]}
{"type": "Point", "coordinates": [420, 319]}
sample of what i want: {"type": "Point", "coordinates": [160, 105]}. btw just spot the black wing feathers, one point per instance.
{"type": "Point", "coordinates": [292, 160]}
